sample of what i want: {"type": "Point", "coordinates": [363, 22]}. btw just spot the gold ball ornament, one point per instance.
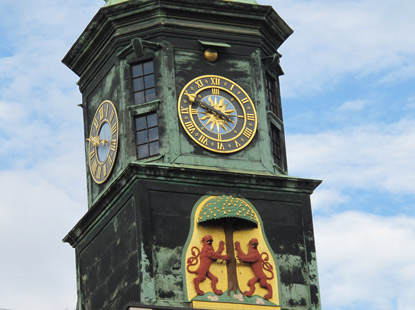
{"type": "Point", "coordinates": [211, 55]}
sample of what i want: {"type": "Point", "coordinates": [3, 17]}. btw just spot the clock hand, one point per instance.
{"type": "Point", "coordinates": [215, 111]}
{"type": "Point", "coordinates": [208, 107]}
{"type": "Point", "coordinates": [96, 141]}
{"type": "Point", "coordinates": [192, 98]}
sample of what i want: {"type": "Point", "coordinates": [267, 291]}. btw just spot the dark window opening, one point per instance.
{"type": "Point", "coordinates": [144, 89]}
{"type": "Point", "coordinates": [276, 145]}
{"type": "Point", "coordinates": [147, 135]}
{"type": "Point", "coordinates": [272, 98]}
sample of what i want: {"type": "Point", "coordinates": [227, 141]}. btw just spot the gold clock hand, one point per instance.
{"type": "Point", "coordinates": [94, 140]}
{"type": "Point", "coordinates": [215, 111]}
{"type": "Point", "coordinates": [192, 98]}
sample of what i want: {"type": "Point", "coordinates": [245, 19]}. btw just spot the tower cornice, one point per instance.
{"type": "Point", "coordinates": [114, 26]}
{"type": "Point", "coordinates": [186, 175]}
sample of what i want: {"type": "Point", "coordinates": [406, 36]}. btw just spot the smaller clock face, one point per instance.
{"type": "Point", "coordinates": [217, 114]}
{"type": "Point", "coordinates": [103, 142]}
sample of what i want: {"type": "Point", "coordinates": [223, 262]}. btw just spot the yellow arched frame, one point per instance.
{"type": "Point", "coordinates": [218, 268]}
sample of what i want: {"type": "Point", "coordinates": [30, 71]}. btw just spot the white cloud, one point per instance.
{"type": "Point", "coordinates": [38, 95]}
{"type": "Point", "coordinates": [37, 269]}
{"type": "Point", "coordinates": [334, 40]}
{"type": "Point", "coordinates": [11, 113]}
{"type": "Point", "coordinates": [410, 105]}
{"type": "Point", "coordinates": [366, 261]}
{"type": "Point", "coordinates": [400, 74]}
{"type": "Point", "coordinates": [326, 199]}
{"type": "Point", "coordinates": [42, 167]}
{"type": "Point", "coordinates": [354, 105]}
{"type": "Point", "coordinates": [371, 157]}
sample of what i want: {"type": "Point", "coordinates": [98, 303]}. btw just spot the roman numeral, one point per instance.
{"type": "Point", "coordinates": [203, 139]}
{"type": "Point", "coordinates": [237, 144]}
{"type": "Point", "coordinates": [114, 129]}
{"type": "Point", "coordinates": [250, 117]}
{"type": "Point", "coordinates": [220, 146]}
{"type": "Point", "coordinates": [245, 100]}
{"type": "Point", "coordinates": [96, 124]}
{"type": "Point", "coordinates": [109, 160]}
{"type": "Point", "coordinates": [247, 132]}
{"type": "Point", "coordinates": [112, 116]}
{"type": "Point", "coordinates": [104, 170]}
{"type": "Point", "coordinates": [101, 113]}
{"type": "Point", "coordinates": [92, 154]}
{"type": "Point", "coordinates": [233, 85]}
{"type": "Point", "coordinates": [190, 127]}
{"type": "Point", "coordinates": [215, 91]}
{"type": "Point", "coordinates": [199, 83]}
{"type": "Point", "coordinates": [106, 110]}
{"type": "Point", "coordinates": [215, 81]}
{"type": "Point", "coordinates": [98, 174]}
{"type": "Point", "coordinates": [184, 110]}
{"type": "Point", "coordinates": [94, 167]}
{"type": "Point", "coordinates": [194, 111]}
{"type": "Point", "coordinates": [113, 145]}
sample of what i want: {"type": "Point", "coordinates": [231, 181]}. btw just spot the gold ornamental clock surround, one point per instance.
{"type": "Point", "coordinates": [103, 141]}
{"type": "Point", "coordinates": [217, 114]}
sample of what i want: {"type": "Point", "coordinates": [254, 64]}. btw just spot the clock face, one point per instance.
{"type": "Point", "coordinates": [217, 114]}
{"type": "Point", "coordinates": [103, 142]}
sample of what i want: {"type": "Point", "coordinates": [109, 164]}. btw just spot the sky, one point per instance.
{"type": "Point", "coordinates": [348, 97]}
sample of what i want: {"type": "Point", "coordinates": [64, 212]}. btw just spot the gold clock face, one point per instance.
{"type": "Point", "coordinates": [103, 141]}
{"type": "Point", "coordinates": [217, 114]}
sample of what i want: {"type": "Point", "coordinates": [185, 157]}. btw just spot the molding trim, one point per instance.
{"type": "Point", "coordinates": [273, 63]}
{"type": "Point", "coordinates": [138, 47]}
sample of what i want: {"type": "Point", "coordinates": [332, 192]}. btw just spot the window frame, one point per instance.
{"type": "Point", "coordinates": [147, 128]}
{"type": "Point", "coordinates": [272, 95]}
{"type": "Point", "coordinates": [275, 121]}
{"type": "Point", "coordinates": [277, 145]}
{"type": "Point", "coordinates": [143, 76]}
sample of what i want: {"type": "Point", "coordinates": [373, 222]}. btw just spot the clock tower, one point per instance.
{"type": "Point", "coordinates": [190, 204]}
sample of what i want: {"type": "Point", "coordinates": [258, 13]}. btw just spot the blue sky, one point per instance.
{"type": "Point", "coordinates": [349, 111]}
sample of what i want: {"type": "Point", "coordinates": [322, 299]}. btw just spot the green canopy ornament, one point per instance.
{"type": "Point", "coordinates": [220, 207]}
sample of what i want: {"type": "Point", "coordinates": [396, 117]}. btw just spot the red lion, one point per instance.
{"type": "Point", "coordinates": [207, 256]}
{"type": "Point", "coordinates": [257, 263]}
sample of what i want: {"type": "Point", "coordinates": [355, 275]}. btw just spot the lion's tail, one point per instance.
{"type": "Point", "coordinates": [193, 260]}
{"type": "Point", "coordinates": [266, 265]}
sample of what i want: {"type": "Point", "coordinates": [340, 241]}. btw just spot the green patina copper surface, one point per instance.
{"type": "Point", "coordinates": [178, 58]}
{"type": "Point", "coordinates": [112, 2]}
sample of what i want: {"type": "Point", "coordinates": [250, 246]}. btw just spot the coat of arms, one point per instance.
{"type": "Point", "coordinates": [227, 258]}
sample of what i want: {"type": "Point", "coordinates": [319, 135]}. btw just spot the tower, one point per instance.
{"type": "Point", "coordinates": [189, 201]}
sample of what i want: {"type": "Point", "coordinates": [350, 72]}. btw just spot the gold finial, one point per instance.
{"type": "Point", "coordinates": [211, 55]}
